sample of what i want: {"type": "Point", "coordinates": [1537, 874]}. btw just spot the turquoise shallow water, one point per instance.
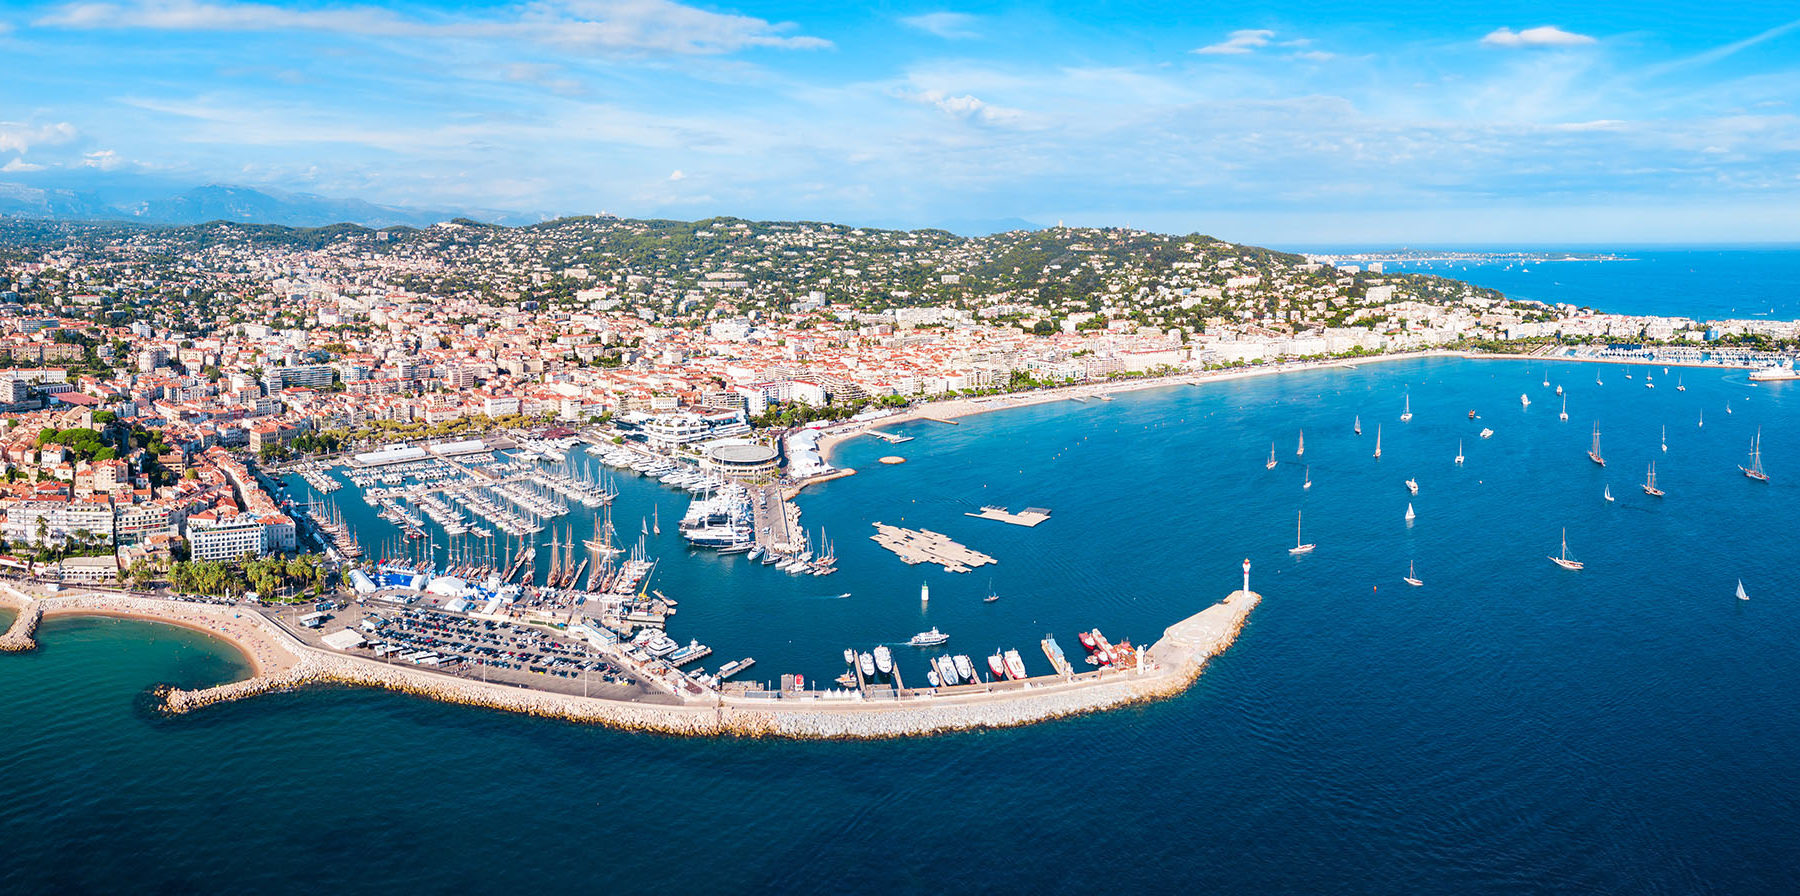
{"type": "Point", "coordinates": [1510, 726]}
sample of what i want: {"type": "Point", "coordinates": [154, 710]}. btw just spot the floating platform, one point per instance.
{"type": "Point", "coordinates": [1028, 517]}
{"type": "Point", "coordinates": [915, 546]}
{"type": "Point", "coordinates": [889, 437]}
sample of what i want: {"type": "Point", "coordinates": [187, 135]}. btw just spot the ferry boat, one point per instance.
{"type": "Point", "coordinates": [884, 660]}
{"type": "Point", "coordinates": [1781, 370]}
{"type": "Point", "coordinates": [1650, 483]}
{"type": "Point", "coordinates": [1015, 665]}
{"type": "Point", "coordinates": [1594, 452]}
{"type": "Point", "coordinates": [1755, 470]}
{"type": "Point", "coordinates": [1562, 559]}
{"type": "Point", "coordinates": [929, 639]}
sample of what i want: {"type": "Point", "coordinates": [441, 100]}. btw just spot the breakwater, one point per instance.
{"type": "Point", "coordinates": [1173, 663]}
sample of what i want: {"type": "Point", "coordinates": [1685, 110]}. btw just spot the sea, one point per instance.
{"type": "Point", "coordinates": [1509, 726]}
{"type": "Point", "coordinates": [1703, 283]}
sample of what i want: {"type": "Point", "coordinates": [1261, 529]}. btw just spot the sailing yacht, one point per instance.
{"type": "Point", "coordinates": [1524, 400]}
{"type": "Point", "coordinates": [1308, 483]}
{"type": "Point", "coordinates": [1459, 452]}
{"type": "Point", "coordinates": [1406, 412]}
{"type": "Point", "coordinates": [1594, 452]}
{"type": "Point", "coordinates": [1410, 516]}
{"type": "Point", "coordinates": [1301, 451]}
{"type": "Point", "coordinates": [1740, 592]}
{"type": "Point", "coordinates": [1299, 547]}
{"type": "Point", "coordinates": [1378, 441]}
{"type": "Point", "coordinates": [656, 520]}
{"type": "Point", "coordinates": [1271, 464]}
{"type": "Point", "coordinates": [1755, 470]}
{"type": "Point", "coordinates": [1565, 409]}
{"type": "Point", "coordinates": [991, 596]}
{"type": "Point", "coordinates": [1358, 426]}
{"type": "Point", "coordinates": [1702, 420]}
{"type": "Point", "coordinates": [1559, 390]}
{"type": "Point", "coordinates": [1665, 440]}
{"type": "Point", "coordinates": [1679, 385]}
{"type": "Point", "coordinates": [1562, 559]}
{"type": "Point", "coordinates": [1546, 381]}
{"type": "Point", "coordinates": [1412, 578]}
{"type": "Point", "coordinates": [1650, 483]}
{"type": "Point", "coordinates": [1608, 494]}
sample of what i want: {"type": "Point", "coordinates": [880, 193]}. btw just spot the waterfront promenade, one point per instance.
{"type": "Point", "coordinates": [281, 662]}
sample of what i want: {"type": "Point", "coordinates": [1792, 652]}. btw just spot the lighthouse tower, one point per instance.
{"type": "Point", "coordinates": [1246, 575]}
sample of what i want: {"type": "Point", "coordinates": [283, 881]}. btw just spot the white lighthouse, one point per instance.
{"type": "Point", "coordinates": [1246, 575]}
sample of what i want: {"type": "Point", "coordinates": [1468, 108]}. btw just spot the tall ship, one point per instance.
{"type": "Point", "coordinates": [1650, 483]}
{"type": "Point", "coordinates": [1755, 470]}
{"type": "Point", "coordinates": [1594, 452]}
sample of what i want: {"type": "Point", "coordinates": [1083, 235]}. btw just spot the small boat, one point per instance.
{"type": "Point", "coordinates": [884, 660]}
{"type": "Point", "coordinates": [1728, 407]}
{"type": "Point", "coordinates": [1679, 385]}
{"type": "Point", "coordinates": [1487, 433]}
{"type": "Point", "coordinates": [1524, 400]}
{"type": "Point", "coordinates": [1299, 547]}
{"type": "Point", "coordinates": [1594, 452]}
{"type": "Point", "coordinates": [946, 670]}
{"type": "Point", "coordinates": [867, 664]}
{"type": "Point", "coordinates": [1412, 578]}
{"type": "Point", "coordinates": [1308, 483]}
{"type": "Point", "coordinates": [1565, 409]}
{"type": "Point", "coordinates": [1377, 440]}
{"type": "Point", "coordinates": [1471, 413]}
{"type": "Point", "coordinates": [991, 596]}
{"type": "Point", "coordinates": [965, 667]}
{"type": "Point", "coordinates": [1755, 470]}
{"type": "Point", "coordinates": [1562, 559]}
{"type": "Point", "coordinates": [1665, 440]}
{"type": "Point", "coordinates": [1559, 390]}
{"type": "Point", "coordinates": [1406, 414]}
{"type": "Point", "coordinates": [1608, 494]}
{"type": "Point", "coordinates": [1301, 451]}
{"type": "Point", "coordinates": [1086, 639]}
{"type": "Point", "coordinates": [997, 665]}
{"type": "Point", "coordinates": [1410, 516]}
{"type": "Point", "coordinates": [850, 656]}
{"type": "Point", "coordinates": [1271, 464]}
{"type": "Point", "coordinates": [1702, 420]}
{"type": "Point", "coordinates": [931, 677]}
{"type": "Point", "coordinates": [1412, 485]}
{"type": "Point", "coordinates": [1546, 381]}
{"type": "Point", "coordinates": [1358, 426]}
{"type": "Point", "coordinates": [1459, 452]}
{"type": "Point", "coordinates": [1740, 591]}
{"type": "Point", "coordinates": [1650, 483]}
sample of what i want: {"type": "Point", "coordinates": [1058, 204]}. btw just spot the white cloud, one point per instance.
{"type": "Point", "coordinates": [19, 137]}
{"type": "Point", "coordinates": [677, 175]}
{"type": "Point", "coordinates": [1240, 42]}
{"type": "Point", "coordinates": [20, 165]}
{"type": "Point", "coordinates": [1541, 36]}
{"type": "Point", "coordinates": [103, 159]}
{"type": "Point", "coordinates": [968, 107]}
{"type": "Point", "coordinates": [947, 25]}
{"type": "Point", "coordinates": [610, 26]}
{"type": "Point", "coordinates": [1315, 56]}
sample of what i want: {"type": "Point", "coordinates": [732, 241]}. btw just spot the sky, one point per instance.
{"type": "Point", "coordinates": [1334, 122]}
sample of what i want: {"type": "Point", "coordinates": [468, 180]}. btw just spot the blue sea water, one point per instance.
{"type": "Point", "coordinates": [1715, 283]}
{"type": "Point", "coordinates": [1508, 727]}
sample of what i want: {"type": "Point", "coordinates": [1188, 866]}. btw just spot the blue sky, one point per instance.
{"type": "Point", "coordinates": [1333, 122]}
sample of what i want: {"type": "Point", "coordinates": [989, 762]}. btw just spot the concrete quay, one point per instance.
{"type": "Point", "coordinates": [283, 662]}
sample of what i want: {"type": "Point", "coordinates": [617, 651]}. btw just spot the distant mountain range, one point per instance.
{"type": "Point", "coordinates": [225, 202]}
{"type": "Point", "coordinates": [136, 202]}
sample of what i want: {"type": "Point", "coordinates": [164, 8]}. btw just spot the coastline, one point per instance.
{"type": "Point", "coordinates": [284, 663]}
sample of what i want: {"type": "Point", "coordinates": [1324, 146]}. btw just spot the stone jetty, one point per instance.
{"type": "Point", "coordinates": [284, 663]}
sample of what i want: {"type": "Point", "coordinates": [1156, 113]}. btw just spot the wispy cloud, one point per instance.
{"type": "Point", "coordinates": [1242, 41]}
{"type": "Point", "coordinates": [20, 165]}
{"type": "Point", "coordinates": [1541, 36]}
{"type": "Point", "coordinates": [968, 107]}
{"type": "Point", "coordinates": [599, 26]}
{"type": "Point", "coordinates": [1717, 53]}
{"type": "Point", "coordinates": [947, 25]}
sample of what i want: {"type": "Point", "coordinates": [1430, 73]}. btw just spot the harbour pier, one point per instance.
{"type": "Point", "coordinates": [915, 546]}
